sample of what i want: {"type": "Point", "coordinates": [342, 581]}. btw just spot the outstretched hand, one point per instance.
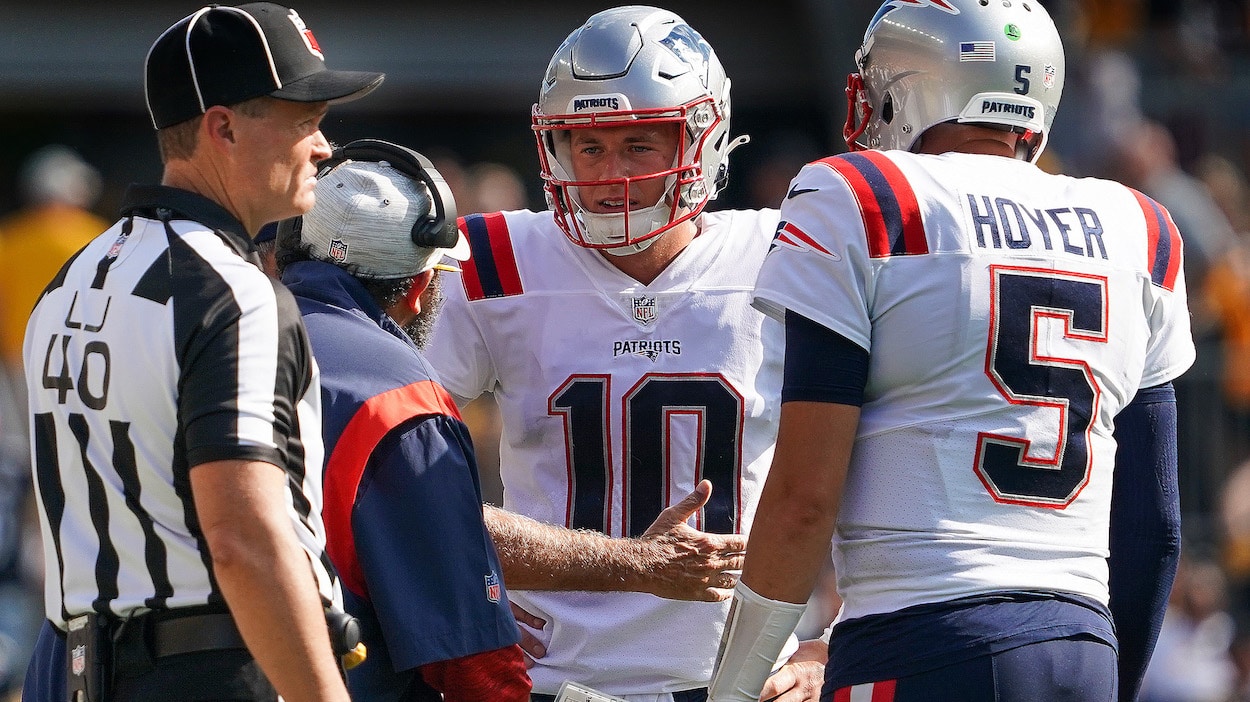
{"type": "Point", "coordinates": [687, 564]}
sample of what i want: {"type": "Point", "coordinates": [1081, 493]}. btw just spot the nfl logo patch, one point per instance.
{"type": "Point", "coordinates": [309, 40]}
{"type": "Point", "coordinates": [1048, 76]}
{"type": "Point", "coordinates": [78, 660]}
{"type": "Point", "coordinates": [644, 309]}
{"type": "Point", "coordinates": [492, 587]}
{"type": "Point", "coordinates": [116, 249]}
{"type": "Point", "coordinates": [338, 250]}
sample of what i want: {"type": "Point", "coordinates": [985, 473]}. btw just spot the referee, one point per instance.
{"type": "Point", "coordinates": [174, 402]}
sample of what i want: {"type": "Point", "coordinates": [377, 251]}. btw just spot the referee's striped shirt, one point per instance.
{"type": "Point", "coordinates": [158, 347]}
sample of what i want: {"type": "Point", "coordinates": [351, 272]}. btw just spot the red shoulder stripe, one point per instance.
{"type": "Point", "coordinates": [887, 203]}
{"type": "Point", "coordinates": [375, 418]}
{"type": "Point", "coordinates": [492, 269]}
{"type": "Point", "coordinates": [1163, 242]}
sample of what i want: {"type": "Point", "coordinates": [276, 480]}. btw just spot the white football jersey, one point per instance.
{"type": "Point", "coordinates": [1009, 315]}
{"type": "Point", "coordinates": [616, 398]}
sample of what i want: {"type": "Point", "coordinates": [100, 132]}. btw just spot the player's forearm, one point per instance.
{"type": "Point", "coordinates": [799, 503]}
{"type": "Point", "coordinates": [1145, 531]}
{"type": "Point", "coordinates": [788, 544]}
{"type": "Point", "coordinates": [538, 556]}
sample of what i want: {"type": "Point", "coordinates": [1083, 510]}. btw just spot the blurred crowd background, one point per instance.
{"type": "Point", "coordinates": [1157, 96]}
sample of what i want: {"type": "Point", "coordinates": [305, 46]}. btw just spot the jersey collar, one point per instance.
{"type": "Point", "coordinates": [148, 200]}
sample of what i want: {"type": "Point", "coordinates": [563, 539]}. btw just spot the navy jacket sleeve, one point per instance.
{"type": "Point", "coordinates": [433, 575]}
{"type": "Point", "coordinates": [1145, 528]}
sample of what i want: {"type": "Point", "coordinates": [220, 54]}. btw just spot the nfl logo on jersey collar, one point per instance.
{"type": "Point", "coordinates": [644, 308]}
{"type": "Point", "coordinates": [79, 660]}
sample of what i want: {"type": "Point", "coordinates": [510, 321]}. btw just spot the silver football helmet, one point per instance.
{"type": "Point", "coordinates": [634, 65]}
{"type": "Point", "coordinates": [924, 62]}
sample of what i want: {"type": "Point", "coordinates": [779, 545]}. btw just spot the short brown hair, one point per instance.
{"type": "Point", "coordinates": [177, 141]}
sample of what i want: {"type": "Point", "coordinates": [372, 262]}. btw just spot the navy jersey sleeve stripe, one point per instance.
{"type": "Point", "coordinates": [491, 271]}
{"type": "Point", "coordinates": [1163, 242]}
{"type": "Point", "coordinates": [887, 203]}
{"type": "Point", "coordinates": [822, 365]}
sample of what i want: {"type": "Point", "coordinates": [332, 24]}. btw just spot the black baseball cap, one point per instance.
{"type": "Point", "coordinates": [223, 55]}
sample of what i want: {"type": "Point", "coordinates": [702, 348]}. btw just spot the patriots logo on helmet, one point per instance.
{"type": "Point", "coordinates": [689, 47]}
{"type": "Point", "coordinates": [942, 5]}
{"type": "Point", "coordinates": [790, 236]}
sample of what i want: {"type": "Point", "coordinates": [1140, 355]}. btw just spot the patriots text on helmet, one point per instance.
{"type": "Point", "coordinates": [597, 103]}
{"type": "Point", "coordinates": [995, 107]}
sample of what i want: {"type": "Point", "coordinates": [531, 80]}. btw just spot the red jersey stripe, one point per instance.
{"type": "Point", "coordinates": [375, 418]}
{"type": "Point", "coordinates": [492, 269]}
{"type": "Point", "coordinates": [1163, 243]}
{"type": "Point", "coordinates": [887, 203]}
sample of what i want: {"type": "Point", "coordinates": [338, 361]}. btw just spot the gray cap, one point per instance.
{"type": "Point", "coordinates": [363, 220]}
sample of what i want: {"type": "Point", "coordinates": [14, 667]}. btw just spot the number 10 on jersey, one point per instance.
{"type": "Point", "coordinates": [647, 413]}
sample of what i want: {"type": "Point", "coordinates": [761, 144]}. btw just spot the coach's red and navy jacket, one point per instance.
{"type": "Point", "coordinates": [403, 504]}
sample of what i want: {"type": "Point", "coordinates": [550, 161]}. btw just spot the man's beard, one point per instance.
{"type": "Point", "coordinates": [420, 328]}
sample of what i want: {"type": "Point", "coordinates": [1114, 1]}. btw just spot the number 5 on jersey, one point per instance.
{"type": "Point", "coordinates": [1026, 304]}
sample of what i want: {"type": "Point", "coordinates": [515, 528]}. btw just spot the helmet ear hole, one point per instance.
{"type": "Point", "coordinates": [887, 109]}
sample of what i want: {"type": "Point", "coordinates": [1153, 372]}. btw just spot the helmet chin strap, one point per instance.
{"type": "Point", "coordinates": [606, 228]}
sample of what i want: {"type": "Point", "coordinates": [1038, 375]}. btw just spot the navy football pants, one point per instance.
{"type": "Point", "coordinates": [1059, 670]}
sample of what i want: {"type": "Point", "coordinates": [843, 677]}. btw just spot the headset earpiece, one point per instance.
{"type": "Point", "coordinates": [438, 228]}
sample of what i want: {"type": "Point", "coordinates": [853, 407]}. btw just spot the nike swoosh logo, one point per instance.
{"type": "Point", "coordinates": [796, 191]}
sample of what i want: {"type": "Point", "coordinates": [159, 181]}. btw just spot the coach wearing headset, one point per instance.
{"type": "Point", "coordinates": [403, 502]}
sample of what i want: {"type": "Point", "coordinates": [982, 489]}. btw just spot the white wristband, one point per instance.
{"type": "Point", "coordinates": [755, 633]}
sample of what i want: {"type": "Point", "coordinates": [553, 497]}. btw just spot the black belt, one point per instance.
{"type": "Point", "coordinates": [194, 633]}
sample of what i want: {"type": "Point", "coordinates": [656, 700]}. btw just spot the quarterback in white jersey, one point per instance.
{"type": "Point", "coordinates": [617, 335]}
{"type": "Point", "coordinates": [1010, 316]}
{"type": "Point", "coordinates": [617, 398]}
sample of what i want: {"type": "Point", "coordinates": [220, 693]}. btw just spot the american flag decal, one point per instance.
{"type": "Point", "coordinates": [976, 51]}
{"type": "Point", "coordinates": [492, 587]}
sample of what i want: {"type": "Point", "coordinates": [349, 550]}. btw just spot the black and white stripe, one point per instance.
{"type": "Point", "coordinates": [161, 346]}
